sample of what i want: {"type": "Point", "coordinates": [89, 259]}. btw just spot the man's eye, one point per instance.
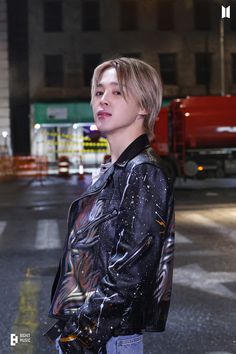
{"type": "Point", "coordinates": [98, 93]}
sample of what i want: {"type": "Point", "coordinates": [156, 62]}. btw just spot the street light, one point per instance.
{"type": "Point", "coordinates": [75, 126]}
{"type": "Point", "coordinates": [4, 134]}
{"type": "Point", "coordinates": [37, 126]}
{"type": "Point", "coordinates": [93, 127]}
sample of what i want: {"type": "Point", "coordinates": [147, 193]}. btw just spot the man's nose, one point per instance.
{"type": "Point", "coordinates": [105, 98]}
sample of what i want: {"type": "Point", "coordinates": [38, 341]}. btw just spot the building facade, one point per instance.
{"type": "Point", "coordinates": [54, 45]}
{"type": "Point", "coordinates": [68, 38]}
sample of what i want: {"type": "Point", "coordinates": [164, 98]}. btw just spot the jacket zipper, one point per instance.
{"type": "Point", "coordinates": [139, 249]}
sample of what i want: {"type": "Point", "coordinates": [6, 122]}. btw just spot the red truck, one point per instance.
{"type": "Point", "coordinates": [197, 136]}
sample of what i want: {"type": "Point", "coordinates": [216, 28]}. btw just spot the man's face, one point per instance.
{"type": "Point", "coordinates": [112, 112]}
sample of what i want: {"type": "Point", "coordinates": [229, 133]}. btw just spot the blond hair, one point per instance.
{"type": "Point", "coordinates": [142, 81]}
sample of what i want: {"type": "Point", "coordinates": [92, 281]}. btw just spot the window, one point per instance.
{"type": "Point", "coordinates": [165, 15]}
{"type": "Point", "coordinates": [203, 68]}
{"type": "Point", "coordinates": [90, 61]}
{"type": "Point", "coordinates": [202, 15]}
{"type": "Point", "coordinates": [51, 133]}
{"type": "Point", "coordinates": [128, 15]}
{"type": "Point", "coordinates": [168, 68]}
{"type": "Point", "coordinates": [234, 68]}
{"type": "Point", "coordinates": [53, 16]}
{"type": "Point", "coordinates": [90, 15]}
{"type": "Point", "coordinates": [54, 71]}
{"type": "Point", "coordinates": [64, 131]}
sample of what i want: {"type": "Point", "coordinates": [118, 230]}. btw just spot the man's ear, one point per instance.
{"type": "Point", "coordinates": [142, 112]}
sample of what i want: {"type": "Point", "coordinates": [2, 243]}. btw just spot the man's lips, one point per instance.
{"type": "Point", "coordinates": [103, 114]}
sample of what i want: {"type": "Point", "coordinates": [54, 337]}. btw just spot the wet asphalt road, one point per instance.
{"type": "Point", "coordinates": [202, 316]}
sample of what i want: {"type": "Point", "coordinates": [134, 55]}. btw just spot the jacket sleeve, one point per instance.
{"type": "Point", "coordinates": [140, 238]}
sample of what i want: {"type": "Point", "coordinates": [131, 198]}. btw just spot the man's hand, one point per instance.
{"type": "Point", "coordinates": [70, 345]}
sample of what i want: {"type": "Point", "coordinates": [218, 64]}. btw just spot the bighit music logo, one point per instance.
{"type": "Point", "coordinates": [13, 339]}
{"type": "Point", "coordinates": [22, 338]}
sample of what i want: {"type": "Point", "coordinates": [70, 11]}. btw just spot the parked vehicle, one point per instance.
{"type": "Point", "coordinates": [196, 136]}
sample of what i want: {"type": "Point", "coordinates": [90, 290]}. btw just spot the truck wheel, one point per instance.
{"type": "Point", "coordinates": [190, 168]}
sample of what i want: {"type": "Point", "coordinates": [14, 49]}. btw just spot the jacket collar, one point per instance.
{"type": "Point", "coordinates": [138, 145]}
{"type": "Point", "coordinates": [130, 152]}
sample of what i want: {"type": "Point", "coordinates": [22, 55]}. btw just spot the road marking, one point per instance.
{"type": "Point", "coordinates": [195, 277]}
{"type": "Point", "coordinates": [2, 227]}
{"type": "Point", "coordinates": [215, 226]}
{"type": "Point", "coordinates": [27, 320]}
{"type": "Point", "coordinates": [179, 238]}
{"type": "Point", "coordinates": [47, 235]}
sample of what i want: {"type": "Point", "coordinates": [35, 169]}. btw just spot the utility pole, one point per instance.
{"type": "Point", "coordinates": [225, 13]}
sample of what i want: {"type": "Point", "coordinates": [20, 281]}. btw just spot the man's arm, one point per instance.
{"type": "Point", "coordinates": [140, 236]}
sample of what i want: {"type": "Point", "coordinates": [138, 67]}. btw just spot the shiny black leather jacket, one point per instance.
{"type": "Point", "coordinates": [115, 275]}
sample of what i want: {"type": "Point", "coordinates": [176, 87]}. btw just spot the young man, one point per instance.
{"type": "Point", "coordinates": [115, 276]}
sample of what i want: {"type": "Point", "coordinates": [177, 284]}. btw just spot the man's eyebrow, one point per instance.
{"type": "Point", "coordinates": [99, 84]}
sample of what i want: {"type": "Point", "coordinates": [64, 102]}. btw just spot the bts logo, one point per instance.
{"type": "Point", "coordinates": [225, 12]}
{"type": "Point", "coordinates": [14, 339]}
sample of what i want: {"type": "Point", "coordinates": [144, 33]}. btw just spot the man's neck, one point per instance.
{"type": "Point", "coordinates": [118, 143]}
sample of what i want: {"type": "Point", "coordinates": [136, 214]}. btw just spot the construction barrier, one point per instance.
{"type": "Point", "coordinates": [30, 166]}
{"type": "Point", "coordinates": [23, 166]}
{"type": "Point", "coordinates": [6, 168]}
{"type": "Point", "coordinates": [63, 166]}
